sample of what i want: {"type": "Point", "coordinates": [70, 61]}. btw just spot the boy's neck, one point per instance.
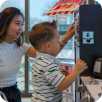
{"type": "Point", "coordinates": [43, 51]}
{"type": "Point", "coordinates": [46, 52]}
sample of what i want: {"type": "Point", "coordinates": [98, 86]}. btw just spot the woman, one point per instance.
{"type": "Point", "coordinates": [11, 51]}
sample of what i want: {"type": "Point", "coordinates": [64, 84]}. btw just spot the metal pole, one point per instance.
{"type": "Point", "coordinates": [26, 39]}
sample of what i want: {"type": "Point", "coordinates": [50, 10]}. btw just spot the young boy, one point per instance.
{"type": "Point", "coordinates": [48, 81]}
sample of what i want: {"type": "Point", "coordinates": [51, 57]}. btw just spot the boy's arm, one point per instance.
{"type": "Point", "coordinates": [70, 32]}
{"type": "Point", "coordinates": [67, 81]}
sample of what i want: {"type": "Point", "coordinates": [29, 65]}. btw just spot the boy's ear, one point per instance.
{"type": "Point", "coordinates": [47, 45]}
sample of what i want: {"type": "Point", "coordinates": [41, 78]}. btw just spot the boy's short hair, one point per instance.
{"type": "Point", "coordinates": [41, 33]}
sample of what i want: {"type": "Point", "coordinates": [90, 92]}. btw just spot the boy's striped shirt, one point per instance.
{"type": "Point", "coordinates": [46, 76]}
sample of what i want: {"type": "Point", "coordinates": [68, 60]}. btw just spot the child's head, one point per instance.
{"type": "Point", "coordinates": [11, 24]}
{"type": "Point", "coordinates": [45, 38]}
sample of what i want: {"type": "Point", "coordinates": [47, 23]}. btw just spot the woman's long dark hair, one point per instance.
{"type": "Point", "coordinates": [6, 16]}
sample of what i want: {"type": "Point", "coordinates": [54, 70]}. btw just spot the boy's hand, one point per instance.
{"type": "Point", "coordinates": [80, 66]}
{"type": "Point", "coordinates": [64, 69]}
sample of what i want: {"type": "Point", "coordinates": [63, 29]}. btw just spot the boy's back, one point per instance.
{"type": "Point", "coordinates": [46, 77]}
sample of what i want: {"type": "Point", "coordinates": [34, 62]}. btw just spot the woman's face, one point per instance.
{"type": "Point", "coordinates": [15, 28]}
